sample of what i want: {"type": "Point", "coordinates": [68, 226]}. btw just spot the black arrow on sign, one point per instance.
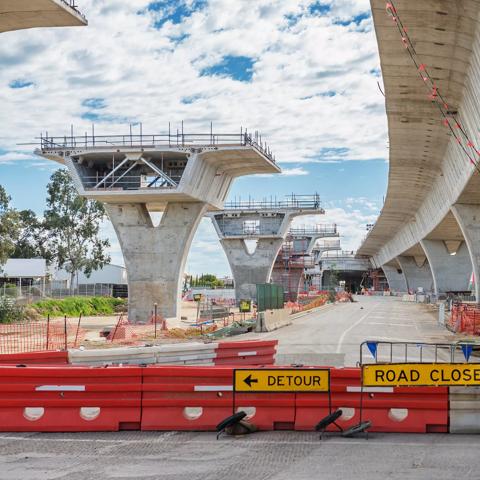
{"type": "Point", "coordinates": [249, 380]}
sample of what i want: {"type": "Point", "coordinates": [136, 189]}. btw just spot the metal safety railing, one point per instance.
{"type": "Point", "coordinates": [306, 202]}
{"type": "Point", "coordinates": [314, 230]}
{"type": "Point", "coordinates": [379, 351]}
{"type": "Point", "coordinates": [126, 183]}
{"type": "Point", "coordinates": [73, 5]}
{"type": "Point", "coordinates": [170, 140]}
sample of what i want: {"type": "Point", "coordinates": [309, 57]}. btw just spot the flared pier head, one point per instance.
{"type": "Point", "coordinates": [296, 258]}
{"type": "Point", "coordinates": [22, 14]}
{"type": "Point", "coordinates": [182, 176]}
{"type": "Point", "coordinates": [265, 224]}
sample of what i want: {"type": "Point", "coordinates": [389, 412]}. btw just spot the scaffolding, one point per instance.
{"type": "Point", "coordinates": [302, 202]}
{"type": "Point", "coordinates": [290, 265]}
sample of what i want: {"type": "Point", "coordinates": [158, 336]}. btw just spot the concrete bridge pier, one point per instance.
{"type": "Point", "coordinates": [155, 256]}
{"type": "Point", "coordinates": [395, 278]}
{"type": "Point", "coordinates": [451, 272]}
{"type": "Point", "coordinates": [249, 269]}
{"type": "Point", "coordinates": [417, 273]}
{"type": "Point", "coordinates": [468, 218]}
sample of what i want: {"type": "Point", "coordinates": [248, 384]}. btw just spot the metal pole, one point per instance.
{"type": "Point", "coordinates": [48, 330]}
{"type": "Point", "coordinates": [183, 138]}
{"type": "Point", "coordinates": [65, 331]}
{"type": "Point", "coordinates": [155, 318]}
{"type": "Point", "coordinates": [78, 328]}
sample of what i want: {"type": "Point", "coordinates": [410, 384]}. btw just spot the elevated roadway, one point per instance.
{"type": "Point", "coordinates": [428, 232]}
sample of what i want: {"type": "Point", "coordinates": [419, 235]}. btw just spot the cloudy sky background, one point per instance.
{"type": "Point", "coordinates": [302, 72]}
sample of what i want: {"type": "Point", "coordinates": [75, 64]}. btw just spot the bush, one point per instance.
{"type": "Point", "coordinates": [10, 312]}
{"type": "Point", "coordinates": [74, 306]}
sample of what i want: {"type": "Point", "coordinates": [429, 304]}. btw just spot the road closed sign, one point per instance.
{"type": "Point", "coordinates": [421, 374]}
{"type": "Point", "coordinates": [281, 380]}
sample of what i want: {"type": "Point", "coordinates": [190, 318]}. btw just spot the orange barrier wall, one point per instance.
{"type": "Point", "coordinates": [70, 399]}
{"type": "Point", "coordinates": [35, 358]}
{"type": "Point", "coordinates": [402, 409]}
{"type": "Point", "coordinates": [249, 352]}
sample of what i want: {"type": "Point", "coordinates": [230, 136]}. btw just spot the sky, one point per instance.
{"type": "Point", "coordinates": [304, 73]}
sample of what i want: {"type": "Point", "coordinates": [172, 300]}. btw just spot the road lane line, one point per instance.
{"type": "Point", "coordinates": [351, 327]}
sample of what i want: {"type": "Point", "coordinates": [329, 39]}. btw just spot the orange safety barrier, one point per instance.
{"type": "Point", "coordinates": [70, 399]}
{"type": "Point", "coordinates": [249, 352]}
{"type": "Point", "coordinates": [390, 409]}
{"type": "Point", "coordinates": [185, 398]}
{"type": "Point", "coordinates": [198, 398]}
{"type": "Point", "coordinates": [35, 358]}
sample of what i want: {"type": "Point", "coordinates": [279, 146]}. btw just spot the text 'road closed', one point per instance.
{"type": "Point", "coordinates": [282, 380]}
{"type": "Point", "coordinates": [421, 374]}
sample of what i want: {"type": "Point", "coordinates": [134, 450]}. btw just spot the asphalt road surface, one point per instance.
{"type": "Point", "coordinates": [260, 456]}
{"type": "Point", "coordinates": [332, 335]}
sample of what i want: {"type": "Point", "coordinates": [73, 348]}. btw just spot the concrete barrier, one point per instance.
{"type": "Point", "coordinates": [272, 320]}
{"type": "Point", "coordinates": [109, 356]}
{"type": "Point", "coordinates": [408, 298]}
{"type": "Point", "coordinates": [464, 409]}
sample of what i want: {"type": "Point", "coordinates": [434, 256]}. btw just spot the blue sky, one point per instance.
{"type": "Point", "coordinates": [302, 72]}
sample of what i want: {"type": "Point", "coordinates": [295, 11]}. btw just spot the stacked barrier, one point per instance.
{"type": "Point", "coordinates": [35, 358]}
{"type": "Point", "coordinates": [248, 352]}
{"type": "Point", "coordinates": [70, 399]}
{"type": "Point", "coordinates": [251, 352]}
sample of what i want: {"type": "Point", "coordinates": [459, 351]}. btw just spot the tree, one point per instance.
{"type": "Point", "coordinates": [30, 237]}
{"type": "Point", "coordinates": [9, 227]}
{"type": "Point", "coordinates": [73, 224]}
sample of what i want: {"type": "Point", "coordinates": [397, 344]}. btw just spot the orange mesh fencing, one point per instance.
{"type": "Point", "coordinates": [465, 318]}
{"type": "Point", "coordinates": [40, 336]}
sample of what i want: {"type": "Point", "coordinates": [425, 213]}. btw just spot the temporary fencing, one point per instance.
{"type": "Point", "coordinates": [465, 318]}
{"type": "Point", "coordinates": [37, 336]}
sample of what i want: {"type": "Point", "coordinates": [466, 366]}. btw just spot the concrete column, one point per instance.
{"type": "Point", "coordinates": [248, 269]}
{"type": "Point", "coordinates": [416, 275]}
{"type": "Point", "coordinates": [450, 272]}
{"type": "Point", "coordinates": [468, 218]}
{"type": "Point", "coordinates": [396, 281]}
{"type": "Point", "coordinates": [155, 256]}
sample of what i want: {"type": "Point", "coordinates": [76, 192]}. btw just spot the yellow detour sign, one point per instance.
{"type": "Point", "coordinates": [281, 380]}
{"type": "Point", "coordinates": [420, 374]}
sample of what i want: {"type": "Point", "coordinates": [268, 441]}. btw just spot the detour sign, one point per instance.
{"type": "Point", "coordinates": [420, 374]}
{"type": "Point", "coordinates": [281, 380]}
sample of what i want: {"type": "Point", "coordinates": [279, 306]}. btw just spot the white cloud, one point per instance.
{"type": "Point", "coordinates": [313, 94]}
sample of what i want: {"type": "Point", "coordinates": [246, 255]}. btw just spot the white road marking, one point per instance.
{"type": "Point", "coordinates": [351, 327]}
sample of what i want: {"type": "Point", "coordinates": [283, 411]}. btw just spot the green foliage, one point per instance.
{"type": "Point", "coordinates": [206, 280]}
{"type": "Point", "coordinates": [30, 238]}
{"type": "Point", "coordinates": [10, 312]}
{"type": "Point", "coordinates": [9, 227]}
{"type": "Point", "coordinates": [73, 224]}
{"type": "Point", "coordinates": [74, 306]}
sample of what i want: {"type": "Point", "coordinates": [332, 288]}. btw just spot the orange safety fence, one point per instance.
{"type": "Point", "coordinates": [40, 335]}
{"type": "Point", "coordinates": [465, 318]}
{"type": "Point", "coordinates": [127, 333]}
